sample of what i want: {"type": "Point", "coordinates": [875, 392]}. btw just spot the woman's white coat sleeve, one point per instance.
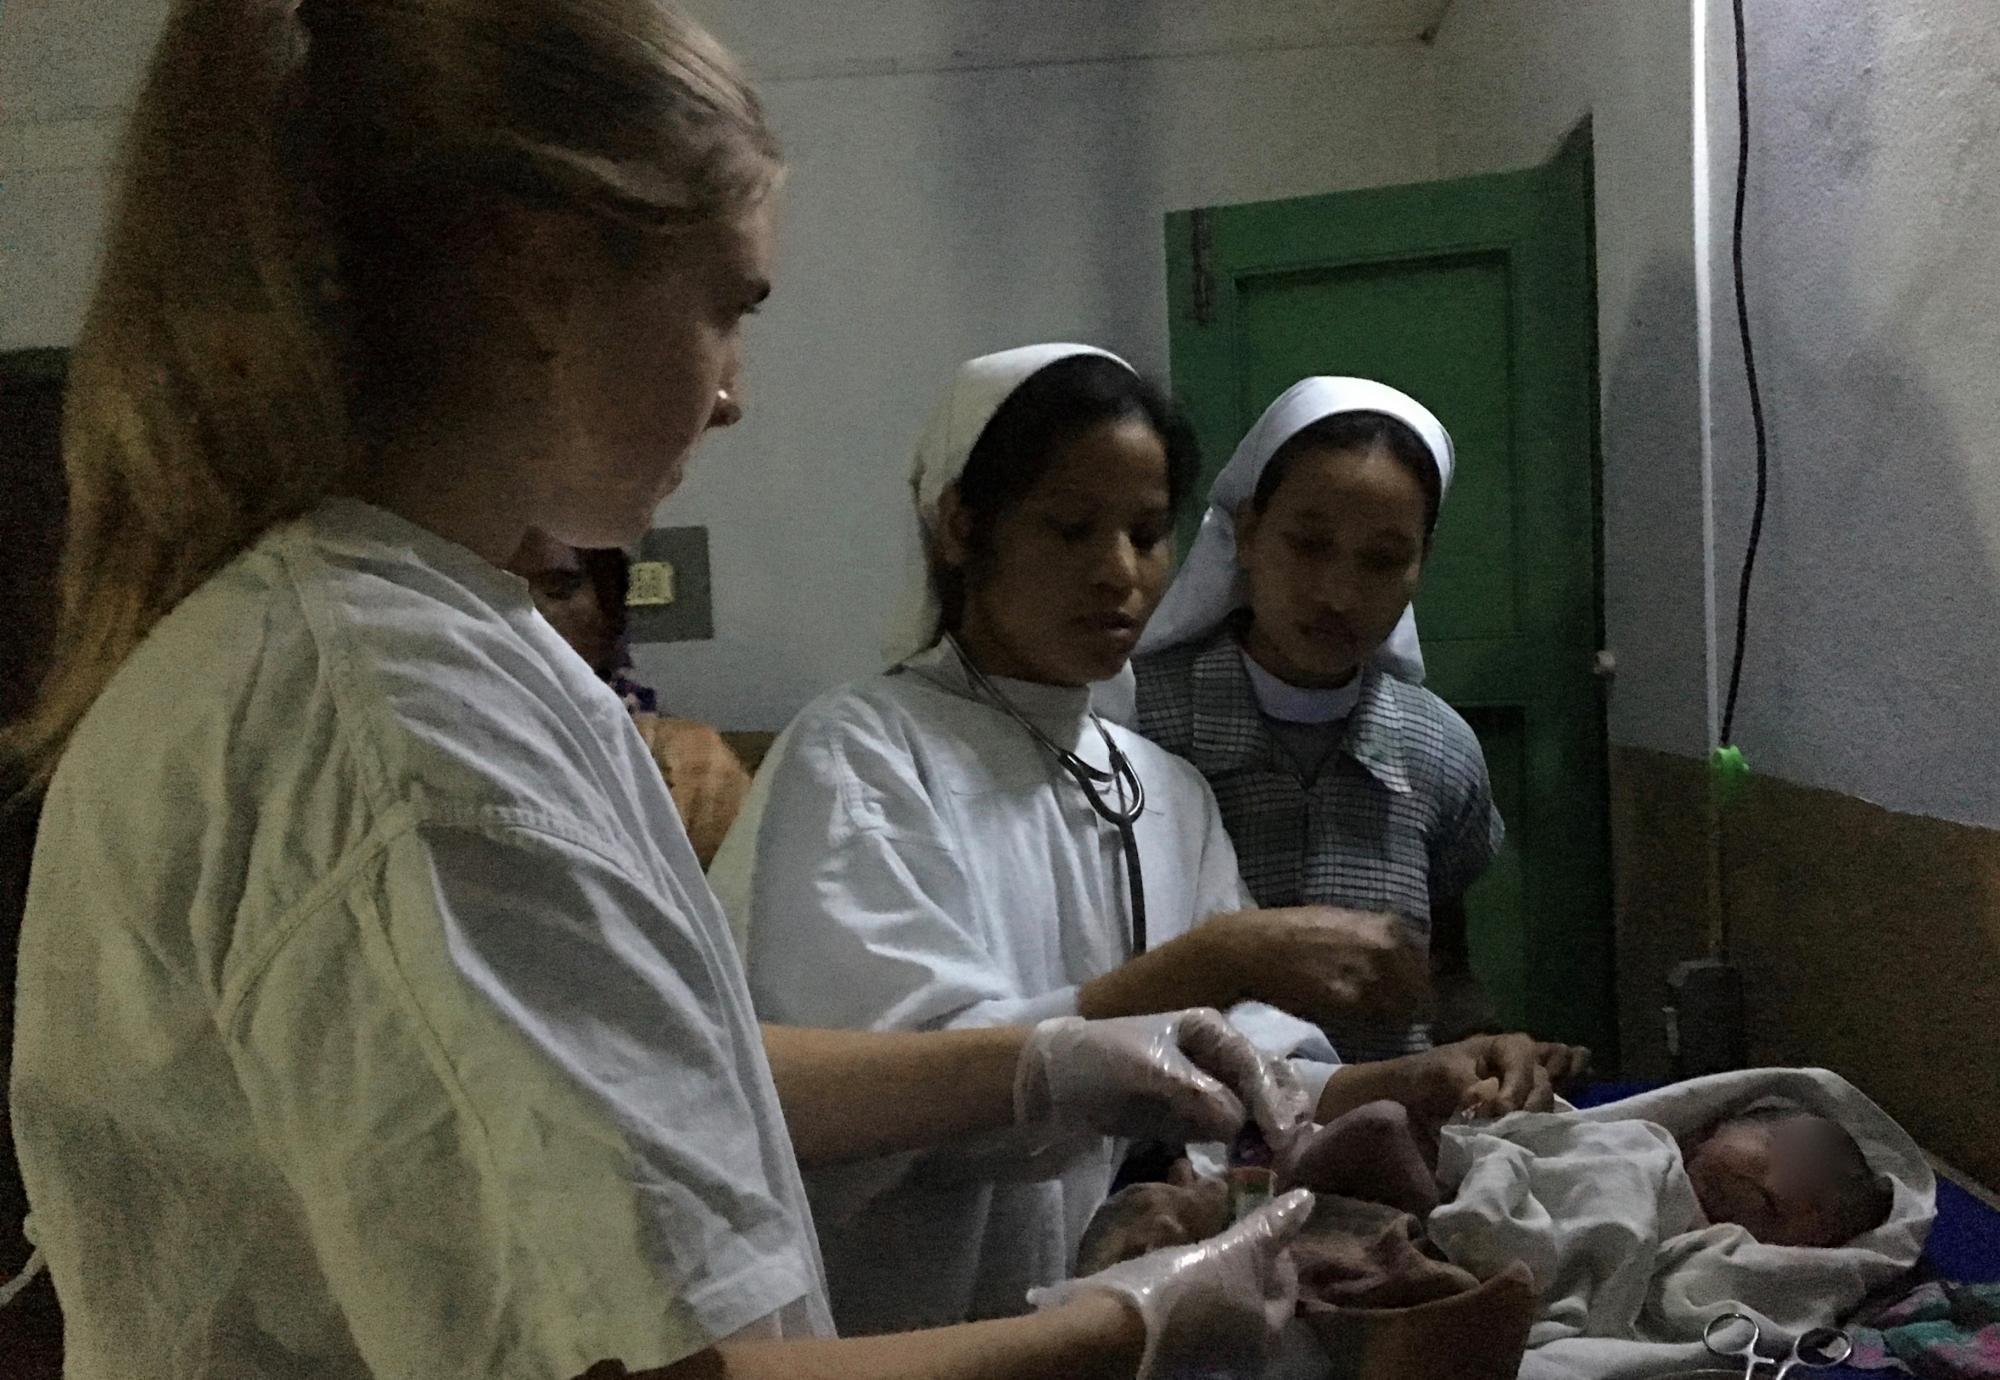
{"type": "Point", "coordinates": [490, 1067]}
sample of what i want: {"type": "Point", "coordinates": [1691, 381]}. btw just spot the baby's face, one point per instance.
{"type": "Point", "coordinates": [1770, 1178]}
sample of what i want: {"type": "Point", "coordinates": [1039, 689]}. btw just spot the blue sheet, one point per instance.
{"type": "Point", "coordinates": [1965, 1243]}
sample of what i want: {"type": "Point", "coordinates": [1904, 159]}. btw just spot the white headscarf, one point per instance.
{"type": "Point", "coordinates": [976, 393]}
{"type": "Point", "coordinates": [1211, 586]}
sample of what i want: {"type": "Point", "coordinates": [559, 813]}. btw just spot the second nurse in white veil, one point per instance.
{"type": "Point", "coordinates": [1284, 664]}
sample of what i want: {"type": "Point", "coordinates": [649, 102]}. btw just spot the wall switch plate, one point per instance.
{"type": "Point", "coordinates": [669, 596]}
{"type": "Point", "coordinates": [651, 585]}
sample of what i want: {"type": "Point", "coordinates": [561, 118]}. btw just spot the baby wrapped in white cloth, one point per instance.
{"type": "Point", "coordinates": [1644, 1219]}
{"type": "Point", "coordinates": [1782, 1193]}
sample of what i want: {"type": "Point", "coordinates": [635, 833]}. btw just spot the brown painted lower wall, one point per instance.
{"type": "Point", "coordinates": [1869, 940]}
{"type": "Point", "coordinates": [749, 745]}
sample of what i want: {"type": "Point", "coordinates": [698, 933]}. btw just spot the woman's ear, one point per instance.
{"type": "Point", "coordinates": [951, 538]}
{"type": "Point", "coordinates": [533, 265]}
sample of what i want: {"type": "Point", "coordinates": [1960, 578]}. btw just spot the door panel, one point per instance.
{"type": "Point", "coordinates": [1499, 938]}
{"type": "Point", "coordinates": [1476, 296]}
{"type": "Point", "coordinates": [1436, 329]}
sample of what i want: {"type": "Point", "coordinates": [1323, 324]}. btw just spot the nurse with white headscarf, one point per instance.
{"type": "Point", "coordinates": [1284, 664]}
{"type": "Point", "coordinates": [1212, 583]}
{"type": "Point", "coordinates": [962, 842]}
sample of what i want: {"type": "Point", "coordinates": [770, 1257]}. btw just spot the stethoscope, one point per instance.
{"type": "Point", "coordinates": [1093, 781]}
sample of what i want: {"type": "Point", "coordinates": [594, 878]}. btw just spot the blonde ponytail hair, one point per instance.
{"type": "Point", "coordinates": [290, 174]}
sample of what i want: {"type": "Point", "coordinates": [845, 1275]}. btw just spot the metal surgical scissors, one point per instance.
{"type": "Point", "coordinates": [1734, 1334]}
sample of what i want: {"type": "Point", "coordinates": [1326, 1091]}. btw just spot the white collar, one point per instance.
{"type": "Point", "coordinates": [1301, 704]}
{"type": "Point", "coordinates": [1058, 710]}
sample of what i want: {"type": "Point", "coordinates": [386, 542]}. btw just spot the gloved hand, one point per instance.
{"type": "Point", "coordinates": [1217, 1305]}
{"type": "Point", "coordinates": [1183, 1075]}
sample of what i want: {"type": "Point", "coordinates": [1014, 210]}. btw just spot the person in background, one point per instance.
{"type": "Point", "coordinates": [1284, 664]}
{"type": "Point", "coordinates": [375, 1019]}
{"type": "Point", "coordinates": [582, 594]}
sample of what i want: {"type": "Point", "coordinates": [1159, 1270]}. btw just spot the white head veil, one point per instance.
{"type": "Point", "coordinates": [976, 393]}
{"type": "Point", "coordinates": [1210, 585]}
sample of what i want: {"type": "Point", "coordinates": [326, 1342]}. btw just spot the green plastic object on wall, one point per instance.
{"type": "Point", "coordinates": [1728, 774]}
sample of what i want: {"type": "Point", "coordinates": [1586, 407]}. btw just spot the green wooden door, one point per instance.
{"type": "Point", "coordinates": [1476, 296]}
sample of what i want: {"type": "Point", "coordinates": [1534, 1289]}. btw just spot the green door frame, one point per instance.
{"type": "Point", "coordinates": [1538, 223]}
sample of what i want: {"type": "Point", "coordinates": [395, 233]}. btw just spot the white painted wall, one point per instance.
{"type": "Point", "coordinates": [1874, 664]}
{"type": "Point", "coordinates": [52, 204]}
{"type": "Point", "coordinates": [67, 70]}
{"type": "Point", "coordinates": [784, 39]}
{"type": "Point", "coordinates": [1875, 635]}
{"type": "Point", "coordinates": [1512, 78]}
{"type": "Point", "coordinates": [939, 214]}
{"type": "Point", "coordinates": [968, 176]}
{"type": "Point", "coordinates": [965, 176]}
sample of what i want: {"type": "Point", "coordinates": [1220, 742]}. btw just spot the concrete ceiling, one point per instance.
{"type": "Point", "coordinates": [80, 59]}
{"type": "Point", "coordinates": [799, 39]}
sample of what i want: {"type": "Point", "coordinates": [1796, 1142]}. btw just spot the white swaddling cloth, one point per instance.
{"type": "Point", "coordinates": [1598, 1205]}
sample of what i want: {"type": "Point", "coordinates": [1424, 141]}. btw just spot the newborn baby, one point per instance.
{"type": "Point", "coordinates": [1364, 1245]}
{"type": "Point", "coordinates": [1612, 1212]}
{"type": "Point", "coordinates": [1360, 1264]}
{"type": "Point", "coordinates": [1635, 1229]}
{"type": "Point", "coordinates": [1786, 1176]}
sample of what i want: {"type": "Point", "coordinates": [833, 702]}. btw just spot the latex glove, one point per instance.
{"type": "Point", "coordinates": [1279, 1105]}
{"type": "Point", "coordinates": [1179, 1076]}
{"type": "Point", "coordinates": [1215, 1306]}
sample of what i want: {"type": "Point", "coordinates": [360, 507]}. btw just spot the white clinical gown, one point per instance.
{"type": "Point", "coordinates": [913, 860]}
{"type": "Point", "coordinates": [374, 1018]}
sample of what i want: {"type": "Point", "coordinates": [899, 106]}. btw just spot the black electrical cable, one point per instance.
{"type": "Point", "coordinates": [1749, 376]}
